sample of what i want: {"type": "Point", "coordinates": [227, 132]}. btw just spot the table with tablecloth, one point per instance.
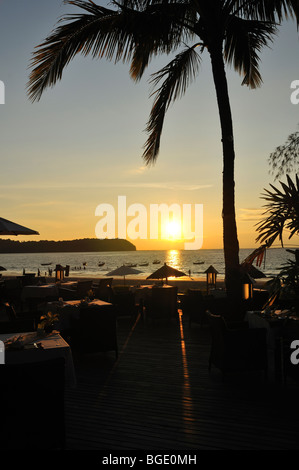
{"type": "Point", "coordinates": [39, 292]}
{"type": "Point", "coordinates": [70, 310]}
{"type": "Point", "coordinates": [40, 348]}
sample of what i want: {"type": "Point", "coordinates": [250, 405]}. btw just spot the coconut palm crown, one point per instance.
{"type": "Point", "coordinates": [134, 31]}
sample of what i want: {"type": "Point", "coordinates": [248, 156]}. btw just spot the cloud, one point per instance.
{"type": "Point", "coordinates": [250, 214]}
{"type": "Point", "coordinates": [166, 185]}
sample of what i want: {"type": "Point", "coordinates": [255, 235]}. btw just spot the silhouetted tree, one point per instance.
{"type": "Point", "coordinates": [136, 30]}
{"type": "Point", "coordinates": [285, 158]}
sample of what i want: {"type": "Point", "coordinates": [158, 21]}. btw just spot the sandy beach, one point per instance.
{"type": "Point", "coordinates": [182, 283]}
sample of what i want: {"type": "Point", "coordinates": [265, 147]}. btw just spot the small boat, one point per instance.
{"type": "Point", "coordinates": [101, 263]}
{"type": "Point", "coordinates": [198, 262]}
{"type": "Point", "coordinates": [143, 264]}
{"type": "Point", "coordinates": [130, 265]}
{"type": "Point", "coordinates": [156, 261]}
{"type": "Point", "coordinates": [46, 264]}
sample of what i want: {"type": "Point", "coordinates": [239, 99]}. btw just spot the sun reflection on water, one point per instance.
{"type": "Point", "coordinates": [174, 258]}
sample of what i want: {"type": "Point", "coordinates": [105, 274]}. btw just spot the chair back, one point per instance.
{"type": "Point", "coordinates": [95, 330]}
{"type": "Point", "coordinates": [162, 302]}
{"type": "Point", "coordinates": [103, 290]}
{"type": "Point", "coordinates": [83, 287]}
{"type": "Point", "coordinates": [124, 302]}
{"type": "Point", "coordinates": [235, 347]}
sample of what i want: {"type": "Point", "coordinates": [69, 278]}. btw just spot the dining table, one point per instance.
{"type": "Point", "coordinates": [39, 291]}
{"type": "Point", "coordinates": [35, 347]}
{"type": "Point", "coordinates": [69, 310]}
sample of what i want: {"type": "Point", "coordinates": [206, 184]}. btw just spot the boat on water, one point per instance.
{"type": "Point", "coordinates": [198, 262]}
{"type": "Point", "coordinates": [143, 264]}
{"type": "Point", "coordinates": [156, 261]}
{"type": "Point", "coordinates": [101, 263]}
{"type": "Point", "coordinates": [130, 265]}
{"type": "Point", "coordinates": [46, 264]}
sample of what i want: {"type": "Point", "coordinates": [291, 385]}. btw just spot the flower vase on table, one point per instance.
{"type": "Point", "coordinates": [46, 325]}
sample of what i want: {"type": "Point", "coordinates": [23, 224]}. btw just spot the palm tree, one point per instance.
{"type": "Point", "coordinates": [136, 30]}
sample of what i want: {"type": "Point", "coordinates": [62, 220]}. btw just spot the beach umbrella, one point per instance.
{"type": "Point", "coordinates": [252, 271]}
{"type": "Point", "coordinates": [123, 271]}
{"type": "Point", "coordinates": [11, 228]}
{"type": "Point", "coordinates": [166, 271]}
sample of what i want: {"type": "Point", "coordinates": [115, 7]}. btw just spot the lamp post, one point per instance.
{"type": "Point", "coordinates": [59, 273]}
{"type": "Point", "coordinates": [247, 284]}
{"type": "Point", "coordinates": [211, 273]}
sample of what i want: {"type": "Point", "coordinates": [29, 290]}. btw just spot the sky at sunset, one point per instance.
{"type": "Point", "coordinates": [80, 146]}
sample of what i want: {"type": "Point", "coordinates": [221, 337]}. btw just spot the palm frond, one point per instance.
{"type": "Point", "coordinates": [101, 33]}
{"type": "Point", "coordinates": [121, 34]}
{"type": "Point", "coordinates": [177, 76]}
{"type": "Point", "coordinates": [244, 40]}
{"type": "Point", "coordinates": [282, 211]}
{"type": "Point", "coordinates": [271, 10]}
{"type": "Point", "coordinates": [163, 27]}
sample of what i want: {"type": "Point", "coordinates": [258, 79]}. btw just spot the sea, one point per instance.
{"type": "Point", "coordinates": [91, 265]}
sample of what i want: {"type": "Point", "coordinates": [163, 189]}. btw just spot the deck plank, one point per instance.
{"type": "Point", "coordinates": [159, 395]}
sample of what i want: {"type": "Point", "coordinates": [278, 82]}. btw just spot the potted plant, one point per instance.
{"type": "Point", "coordinates": [47, 322]}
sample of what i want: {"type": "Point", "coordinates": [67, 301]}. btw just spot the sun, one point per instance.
{"type": "Point", "coordinates": [173, 230]}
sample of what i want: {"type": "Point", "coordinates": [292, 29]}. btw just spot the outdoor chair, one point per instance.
{"type": "Point", "coordinates": [194, 306]}
{"type": "Point", "coordinates": [162, 304]}
{"type": "Point", "coordinates": [102, 291]}
{"type": "Point", "coordinates": [124, 302]}
{"type": "Point", "coordinates": [235, 347]}
{"type": "Point", "coordinates": [94, 331]}
{"type": "Point", "coordinates": [32, 412]}
{"type": "Point", "coordinates": [11, 290]}
{"type": "Point", "coordinates": [80, 292]}
{"type": "Point", "coordinates": [10, 322]}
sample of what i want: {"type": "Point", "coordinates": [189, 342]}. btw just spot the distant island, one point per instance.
{"type": "Point", "coordinates": [66, 246]}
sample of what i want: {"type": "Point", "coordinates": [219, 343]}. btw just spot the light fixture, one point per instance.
{"type": "Point", "coordinates": [211, 273]}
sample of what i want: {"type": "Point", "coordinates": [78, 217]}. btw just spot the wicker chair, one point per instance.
{"type": "Point", "coordinates": [236, 347]}
{"type": "Point", "coordinates": [95, 330]}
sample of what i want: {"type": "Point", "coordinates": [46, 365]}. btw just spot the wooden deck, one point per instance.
{"type": "Point", "coordinates": [160, 396]}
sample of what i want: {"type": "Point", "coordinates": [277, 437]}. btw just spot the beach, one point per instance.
{"type": "Point", "coordinates": [182, 283]}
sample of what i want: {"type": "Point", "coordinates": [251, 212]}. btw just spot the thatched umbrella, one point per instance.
{"type": "Point", "coordinates": [166, 271]}
{"type": "Point", "coordinates": [252, 271]}
{"type": "Point", "coordinates": [123, 271]}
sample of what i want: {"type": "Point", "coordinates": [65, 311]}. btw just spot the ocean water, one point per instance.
{"type": "Point", "coordinates": [87, 264]}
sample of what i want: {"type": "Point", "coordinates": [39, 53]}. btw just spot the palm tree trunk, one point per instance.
{"type": "Point", "coordinates": [230, 237]}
